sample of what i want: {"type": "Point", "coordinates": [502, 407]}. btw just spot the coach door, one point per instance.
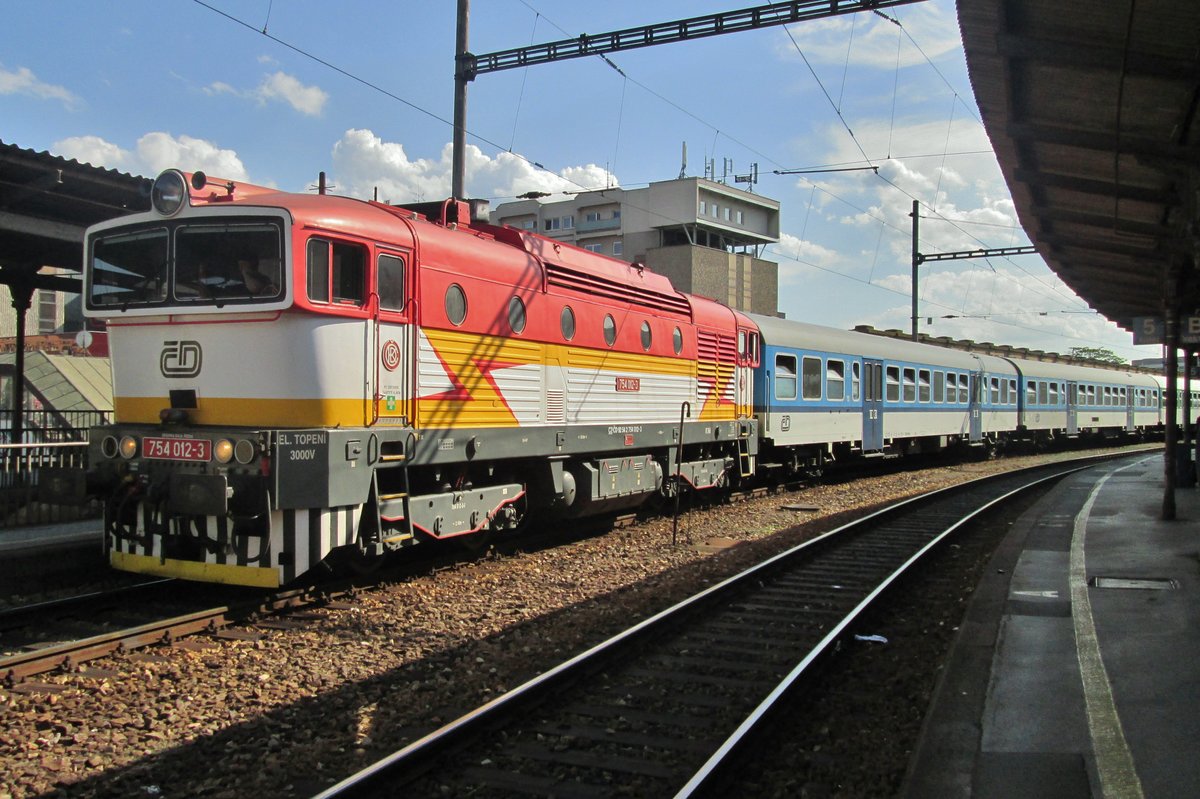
{"type": "Point", "coordinates": [872, 440]}
{"type": "Point", "coordinates": [395, 359]}
{"type": "Point", "coordinates": [1072, 408]}
{"type": "Point", "coordinates": [974, 412]}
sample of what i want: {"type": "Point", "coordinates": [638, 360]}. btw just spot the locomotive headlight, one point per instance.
{"type": "Point", "coordinates": [128, 447]}
{"type": "Point", "coordinates": [244, 451]}
{"type": "Point", "coordinates": [108, 447]}
{"type": "Point", "coordinates": [223, 450]}
{"type": "Point", "coordinates": [169, 192]}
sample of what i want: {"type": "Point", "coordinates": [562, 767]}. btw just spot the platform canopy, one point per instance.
{"type": "Point", "coordinates": [1091, 108]}
{"type": "Point", "coordinates": [46, 203]}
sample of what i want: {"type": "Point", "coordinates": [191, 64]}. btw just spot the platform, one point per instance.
{"type": "Point", "coordinates": [51, 536]}
{"type": "Point", "coordinates": [1077, 670]}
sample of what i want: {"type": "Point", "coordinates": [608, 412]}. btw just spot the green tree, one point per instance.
{"type": "Point", "coordinates": [1096, 354]}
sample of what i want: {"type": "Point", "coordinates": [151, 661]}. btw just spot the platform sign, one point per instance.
{"type": "Point", "coordinates": [1152, 330]}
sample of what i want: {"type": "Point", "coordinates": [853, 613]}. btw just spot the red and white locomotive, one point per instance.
{"type": "Point", "coordinates": [298, 377]}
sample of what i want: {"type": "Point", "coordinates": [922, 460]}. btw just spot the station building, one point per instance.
{"type": "Point", "coordinates": [702, 234]}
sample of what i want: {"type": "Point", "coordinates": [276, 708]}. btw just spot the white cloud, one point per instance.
{"type": "Point", "coordinates": [278, 86]}
{"type": "Point", "coordinates": [153, 153]}
{"type": "Point", "coordinates": [23, 81]}
{"type": "Point", "coordinates": [364, 162]}
{"type": "Point", "coordinates": [309, 100]}
{"type": "Point", "coordinates": [874, 38]}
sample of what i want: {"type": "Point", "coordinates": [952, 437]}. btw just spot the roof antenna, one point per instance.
{"type": "Point", "coordinates": [683, 166]}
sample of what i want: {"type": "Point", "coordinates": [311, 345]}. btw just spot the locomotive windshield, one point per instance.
{"type": "Point", "coordinates": [198, 264]}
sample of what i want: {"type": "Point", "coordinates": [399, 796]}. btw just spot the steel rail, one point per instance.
{"type": "Point", "coordinates": [70, 654]}
{"type": "Point", "coordinates": [411, 762]}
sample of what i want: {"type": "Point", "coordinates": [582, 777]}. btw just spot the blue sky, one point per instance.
{"type": "Point", "coordinates": [140, 86]}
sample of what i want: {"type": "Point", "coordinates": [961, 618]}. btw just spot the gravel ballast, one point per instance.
{"type": "Point", "coordinates": [299, 709]}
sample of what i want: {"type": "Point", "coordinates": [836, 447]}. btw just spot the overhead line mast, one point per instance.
{"type": "Point", "coordinates": [468, 65]}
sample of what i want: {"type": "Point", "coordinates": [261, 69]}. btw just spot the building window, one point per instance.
{"type": "Point", "coordinates": [714, 211]}
{"type": "Point", "coordinates": [47, 311]}
{"type": "Point", "coordinates": [594, 247]}
{"type": "Point", "coordinates": [618, 248]}
{"type": "Point", "coordinates": [703, 207]}
{"type": "Point", "coordinates": [741, 218]}
{"type": "Point", "coordinates": [727, 213]}
{"type": "Point", "coordinates": [592, 216]}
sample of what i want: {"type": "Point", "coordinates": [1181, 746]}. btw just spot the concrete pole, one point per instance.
{"type": "Point", "coordinates": [462, 76]}
{"type": "Point", "coordinates": [1172, 410]}
{"type": "Point", "coordinates": [916, 262]}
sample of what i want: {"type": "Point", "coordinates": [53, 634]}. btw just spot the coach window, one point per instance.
{"type": "Point", "coordinates": [939, 387]}
{"type": "Point", "coordinates": [1031, 392]}
{"type": "Point", "coordinates": [1003, 392]}
{"type": "Point", "coordinates": [647, 335]}
{"type": "Point", "coordinates": [677, 340]}
{"type": "Point", "coordinates": [923, 385]}
{"type": "Point", "coordinates": [1012, 392]}
{"type": "Point", "coordinates": [610, 330]}
{"type": "Point", "coordinates": [855, 370]}
{"type": "Point", "coordinates": [785, 377]}
{"type": "Point", "coordinates": [516, 315]}
{"type": "Point", "coordinates": [835, 379]}
{"type": "Point", "coordinates": [995, 393]}
{"type": "Point", "coordinates": [910, 384]}
{"type": "Point", "coordinates": [1043, 392]}
{"type": "Point", "coordinates": [891, 381]}
{"type": "Point", "coordinates": [1053, 393]}
{"type": "Point", "coordinates": [566, 321]}
{"type": "Point", "coordinates": [812, 379]}
{"type": "Point", "coordinates": [964, 389]}
{"type": "Point", "coordinates": [456, 304]}
{"type": "Point", "coordinates": [391, 282]}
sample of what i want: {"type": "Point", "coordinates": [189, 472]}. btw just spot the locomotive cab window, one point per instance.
{"type": "Point", "coordinates": [391, 282]}
{"type": "Point", "coordinates": [785, 377]}
{"type": "Point", "coordinates": [336, 272]}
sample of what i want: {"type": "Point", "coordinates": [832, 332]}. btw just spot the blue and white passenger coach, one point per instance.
{"type": "Point", "coordinates": [824, 394]}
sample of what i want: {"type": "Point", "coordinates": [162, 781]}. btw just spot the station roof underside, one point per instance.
{"type": "Point", "coordinates": [1092, 111]}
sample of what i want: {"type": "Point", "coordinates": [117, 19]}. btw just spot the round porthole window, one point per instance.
{"type": "Point", "coordinates": [567, 322]}
{"type": "Point", "coordinates": [647, 337]}
{"type": "Point", "coordinates": [516, 314]}
{"type": "Point", "coordinates": [456, 304]}
{"type": "Point", "coordinates": [610, 330]}
{"type": "Point", "coordinates": [677, 340]}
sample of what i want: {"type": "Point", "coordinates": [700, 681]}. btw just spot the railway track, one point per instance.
{"type": "Point", "coordinates": [659, 709]}
{"type": "Point", "coordinates": [166, 620]}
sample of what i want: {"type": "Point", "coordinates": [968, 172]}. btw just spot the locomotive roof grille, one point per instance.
{"type": "Point", "coordinates": [564, 277]}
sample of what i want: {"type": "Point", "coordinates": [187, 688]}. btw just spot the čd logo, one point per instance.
{"type": "Point", "coordinates": [180, 359]}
